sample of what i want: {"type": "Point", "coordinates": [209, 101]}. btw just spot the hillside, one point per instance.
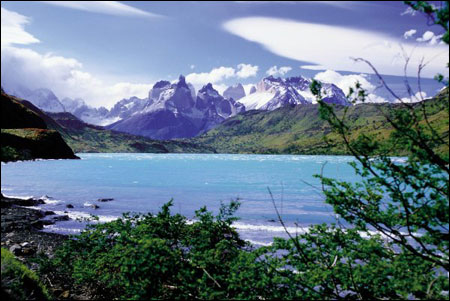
{"type": "Point", "coordinates": [17, 115]}
{"type": "Point", "coordinates": [25, 135]}
{"type": "Point", "coordinates": [83, 137]}
{"type": "Point", "coordinates": [300, 130]}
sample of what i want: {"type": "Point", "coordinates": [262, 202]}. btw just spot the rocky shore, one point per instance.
{"type": "Point", "coordinates": [21, 225]}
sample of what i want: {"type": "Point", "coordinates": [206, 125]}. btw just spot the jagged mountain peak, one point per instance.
{"type": "Point", "coordinates": [236, 92]}
{"type": "Point", "coordinates": [161, 84]}
{"type": "Point", "coordinates": [209, 90]}
{"type": "Point", "coordinates": [182, 82]}
{"type": "Point", "coordinates": [42, 98]}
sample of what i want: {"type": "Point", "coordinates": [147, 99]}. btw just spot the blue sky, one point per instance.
{"type": "Point", "coordinates": [105, 51]}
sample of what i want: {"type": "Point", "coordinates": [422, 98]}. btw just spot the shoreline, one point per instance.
{"type": "Point", "coordinates": [22, 236]}
{"type": "Point", "coordinates": [20, 227]}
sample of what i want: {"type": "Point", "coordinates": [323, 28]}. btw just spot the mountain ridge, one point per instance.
{"type": "Point", "coordinates": [26, 136]}
{"type": "Point", "coordinates": [300, 130]}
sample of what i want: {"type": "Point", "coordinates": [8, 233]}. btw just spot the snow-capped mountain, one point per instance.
{"type": "Point", "coordinates": [175, 110]}
{"type": "Point", "coordinates": [171, 111]}
{"type": "Point", "coordinates": [272, 93]}
{"type": "Point", "coordinates": [236, 92]}
{"type": "Point", "coordinates": [215, 108]}
{"type": "Point", "coordinates": [175, 97]}
{"type": "Point", "coordinates": [126, 107]}
{"type": "Point", "coordinates": [332, 94]}
{"type": "Point", "coordinates": [42, 98]}
{"type": "Point", "coordinates": [72, 104]}
{"type": "Point", "coordinates": [78, 107]}
{"type": "Point", "coordinates": [102, 116]}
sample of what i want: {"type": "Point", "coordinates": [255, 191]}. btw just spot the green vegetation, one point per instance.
{"type": "Point", "coordinates": [396, 244]}
{"type": "Point", "coordinates": [17, 115]}
{"type": "Point", "coordinates": [163, 257]}
{"type": "Point", "coordinates": [157, 256]}
{"type": "Point", "coordinates": [83, 137]}
{"type": "Point", "coordinates": [31, 143]}
{"type": "Point", "coordinates": [25, 135]}
{"type": "Point", "coordinates": [28, 133]}
{"type": "Point", "coordinates": [301, 130]}
{"type": "Point", "coordinates": [19, 282]}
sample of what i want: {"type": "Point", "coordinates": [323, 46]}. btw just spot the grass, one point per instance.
{"type": "Point", "coordinates": [300, 130]}
{"type": "Point", "coordinates": [19, 282]}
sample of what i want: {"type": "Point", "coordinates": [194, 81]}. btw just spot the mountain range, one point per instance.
{"type": "Point", "coordinates": [299, 129]}
{"type": "Point", "coordinates": [26, 135]}
{"type": "Point", "coordinates": [176, 110]}
{"type": "Point", "coordinates": [171, 111]}
{"type": "Point", "coordinates": [29, 133]}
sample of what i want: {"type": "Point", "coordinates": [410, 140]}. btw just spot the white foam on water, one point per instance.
{"type": "Point", "coordinates": [53, 202]}
{"type": "Point", "coordinates": [50, 201]}
{"type": "Point", "coordinates": [27, 197]}
{"type": "Point", "coordinates": [54, 228]}
{"type": "Point", "coordinates": [75, 215]}
{"type": "Point", "coordinates": [269, 228]}
{"type": "Point", "coordinates": [107, 218]}
{"type": "Point", "coordinates": [259, 243]}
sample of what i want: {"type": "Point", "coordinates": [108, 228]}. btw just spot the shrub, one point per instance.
{"type": "Point", "coordinates": [19, 282]}
{"type": "Point", "coordinates": [158, 256]}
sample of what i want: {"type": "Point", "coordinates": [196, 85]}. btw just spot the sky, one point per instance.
{"type": "Point", "coordinates": [105, 51]}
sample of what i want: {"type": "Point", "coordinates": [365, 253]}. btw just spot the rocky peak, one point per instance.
{"type": "Point", "coordinates": [161, 84]}
{"type": "Point", "coordinates": [182, 82]}
{"type": "Point", "coordinates": [236, 92]}
{"type": "Point", "coordinates": [299, 82]}
{"type": "Point", "coordinates": [333, 94]}
{"type": "Point", "coordinates": [44, 99]}
{"type": "Point", "coordinates": [208, 88]}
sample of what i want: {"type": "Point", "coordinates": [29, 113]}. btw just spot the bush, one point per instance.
{"type": "Point", "coordinates": [160, 256]}
{"type": "Point", "coordinates": [19, 282]}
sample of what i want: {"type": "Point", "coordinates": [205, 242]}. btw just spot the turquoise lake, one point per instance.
{"type": "Point", "coordinates": [144, 182]}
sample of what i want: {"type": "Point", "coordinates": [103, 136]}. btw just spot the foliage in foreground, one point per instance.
{"type": "Point", "coordinates": [19, 282]}
{"type": "Point", "coordinates": [396, 247]}
{"type": "Point", "coordinates": [165, 256]}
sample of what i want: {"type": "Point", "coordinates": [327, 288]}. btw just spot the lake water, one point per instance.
{"type": "Point", "coordinates": [144, 182]}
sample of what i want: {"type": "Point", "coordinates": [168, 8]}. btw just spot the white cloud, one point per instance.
{"type": "Point", "coordinates": [313, 67]}
{"type": "Point", "coordinates": [104, 7]}
{"type": "Point", "coordinates": [192, 66]}
{"type": "Point", "coordinates": [217, 75]}
{"type": "Point", "coordinates": [419, 96]}
{"type": "Point", "coordinates": [64, 76]}
{"type": "Point", "coordinates": [430, 38]}
{"type": "Point", "coordinates": [375, 98]}
{"type": "Point", "coordinates": [339, 4]}
{"type": "Point", "coordinates": [13, 31]}
{"type": "Point", "coordinates": [220, 88]}
{"type": "Point", "coordinates": [408, 34]}
{"type": "Point", "coordinates": [344, 82]}
{"type": "Point", "coordinates": [275, 71]}
{"type": "Point", "coordinates": [246, 70]}
{"type": "Point", "coordinates": [214, 76]}
{"type": "Point", "coordinates": [312, 43]}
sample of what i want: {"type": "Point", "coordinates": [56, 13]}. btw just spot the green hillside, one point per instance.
{"type": "Point", "coordinates": [300, 130]}
{"type": "Point", "coordinates": [25, 134]}
{"type": "Point", "coordinates": [83, 137]}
